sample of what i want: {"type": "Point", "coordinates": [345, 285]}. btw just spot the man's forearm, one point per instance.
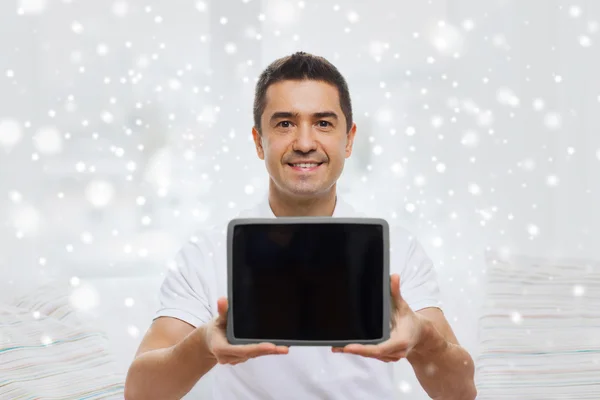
{"type": "Point", "coordinates": [171, 372]}
{"type": "Point", "coordinates": [445, 370]}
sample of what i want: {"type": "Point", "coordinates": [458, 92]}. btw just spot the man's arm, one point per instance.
{"type": "Point", "coordinates": [174, 355]}
{"type": "Point", "coordinates": [171, 358]}
{"type": "Point", "coordinates": [444, 369]}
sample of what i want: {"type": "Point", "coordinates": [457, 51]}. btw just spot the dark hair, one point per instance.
{"type": "Point", "coordinates": [300, 66]}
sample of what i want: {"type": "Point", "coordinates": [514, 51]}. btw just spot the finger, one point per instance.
{"type": "Point", "coordinates": [254, 350]}
{"type": "Point", "coordinates": [269, 349]}
{"type": "Point", "coordinates": [364, 350]}
{"type": "Point", "coordinates": [395, 287]}
{"type": "Point", "coordinates": [222, 306]}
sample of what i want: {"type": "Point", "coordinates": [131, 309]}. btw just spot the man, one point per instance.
{"type": "Point", "coordinates": [303, 130]}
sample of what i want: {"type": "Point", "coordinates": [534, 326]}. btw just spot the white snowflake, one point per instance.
{"type": "Point", "coordinates": [99, 193]}
{"type": "Point", "coordinates": [33, 6]}
{"type": "Point", "coordinates": [447, 39]}
{"type": "Point", "coordinates": [352, 16]}
{"type": "Point", "coordinates": [505, 96]}
{"type": "Point", "coordinates": [384, 116]}
{"type": "Point", "coordinates": [575, 11]}
{"type": "Point", "coordinates": [27, 219]}
{"type": "Point", "coordinates": [528, 164]}
{"type": "Point", "coordinates": [377, 48]}
{"type": "Point", "coordinates": [437, 121]}
{"type": "Point", "coordinates": [133, 331]}
{"type": "Point", "coordinates": [46, 340]}
{"type": "Point", "coordinates": [77, 28]}
{"type": "Point", "coordinates": [474, 189]}
{"type": "Point", "coordinates": [404, 387]}
{"type": "Point", "coordinates": [533, 230]}
{"type": "Point", "coordinates": [48, 140]}
{"type": "Point", "coordinates": [201, 6]}
{"type": "Point", "coordinates": [84, 297]}
{"type": "Point", "coordinates": [230, 48]}
{"type": "Point", "coordinates": [102, 49]}
{"type": "Point", "coordinates": [516, 317]}
{"type": "Point", "coordinates": [553, 120]}
{"type": "Point", "coordinates": [87, 238]}
{"type": "Point", "coordinates": [420, 180]}
{"type": "Point", "coordinates": [15, 197]}
{"type": "Point", "coordinates": [470, 139]}
{"type": "Point", "coordinates": [80, 166]}
{"type": "Point", "coordinates": [578, 290]}
{"type": "Point", "coordinates": [468, 25]}
{"type": "Point", "coordinates": [585, 41]}
{"type": "Point", "coordinates": [538, 104]}
{"type": "Point", "coordinates": [552, 180]}
{"type": "Point", "coordinates": [282, 12]}
{"type": "Point", "coordinates": [398, 169]}
{"type": "Point", "coordinates": [10, 132]}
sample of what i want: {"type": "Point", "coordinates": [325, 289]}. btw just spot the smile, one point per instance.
{"type": "Point", "coordinates": [305, 167]}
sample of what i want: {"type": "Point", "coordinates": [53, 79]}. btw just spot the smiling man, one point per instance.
{"type": "Point", "coordinates": [303, 130]}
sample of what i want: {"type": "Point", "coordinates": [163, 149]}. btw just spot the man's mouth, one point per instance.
{"type": "Point", "coordinates": [305, 166]}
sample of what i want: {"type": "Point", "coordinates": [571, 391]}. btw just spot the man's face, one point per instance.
{"type": "Point", "coordinates": [304, 140]}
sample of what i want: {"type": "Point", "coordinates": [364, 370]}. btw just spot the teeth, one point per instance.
{"type": "Point", "coordinates": [304, 165]}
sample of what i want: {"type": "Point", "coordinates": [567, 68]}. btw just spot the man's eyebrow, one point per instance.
{"type": "Point", "coordinates": [325, 114]}
{"type": "Point", "coordinates": [287, 114]}
{"type": "Point", "coordinates": [283, 114]}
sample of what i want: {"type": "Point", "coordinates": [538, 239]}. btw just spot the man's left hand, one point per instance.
{"type": "Point", "coordinates": [406, 331]}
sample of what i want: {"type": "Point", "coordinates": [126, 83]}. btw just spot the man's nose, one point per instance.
{"type": "Point", "coordinates": [305, 139]}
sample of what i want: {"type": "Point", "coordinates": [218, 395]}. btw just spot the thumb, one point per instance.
{"type": "Point", "coordinates": [222, 307]}
{"type": "Point", "coordinates": [395, 289]}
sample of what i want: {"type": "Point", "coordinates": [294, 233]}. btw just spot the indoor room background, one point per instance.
{"type": "Point", "coordinates": [125, 126]}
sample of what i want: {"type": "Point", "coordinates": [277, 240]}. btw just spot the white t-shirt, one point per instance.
{"type": "Point", "coordinates": [199, 277]}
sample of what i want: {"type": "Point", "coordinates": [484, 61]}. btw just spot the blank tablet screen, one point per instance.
{"type": "Point", "coordinates": [308, 281]}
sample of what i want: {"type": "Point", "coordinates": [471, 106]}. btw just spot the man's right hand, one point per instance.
{"type": "Point", "coordinates": [226, 353]}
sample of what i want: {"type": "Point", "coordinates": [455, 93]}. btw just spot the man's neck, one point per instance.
{"type": "Point", "coordinates": [284, 205]}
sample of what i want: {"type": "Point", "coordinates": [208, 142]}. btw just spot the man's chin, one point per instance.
{"type": "Point", "coordinates": [305, 191]}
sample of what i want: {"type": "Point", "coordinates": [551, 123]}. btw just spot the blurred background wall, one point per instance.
{"type": "Point", "coordinates": [126, 125]}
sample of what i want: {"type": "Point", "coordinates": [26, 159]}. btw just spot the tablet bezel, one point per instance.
{"type": "Point", "coordinates": [386, 300]}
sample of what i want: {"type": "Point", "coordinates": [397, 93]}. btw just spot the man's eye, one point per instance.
{"type": "Point", "coordinates": [285, 124]}
{"type": "Point", "coordinates": [324, 124]}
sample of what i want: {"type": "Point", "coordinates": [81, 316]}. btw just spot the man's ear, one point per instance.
{"type": "Point", "coordinates": [350, 140]}
{"type": "Point", "coordinates": [258, 143]}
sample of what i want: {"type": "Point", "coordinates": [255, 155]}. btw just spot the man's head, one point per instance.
{"type": "Point", "coordinates": [303, 125]}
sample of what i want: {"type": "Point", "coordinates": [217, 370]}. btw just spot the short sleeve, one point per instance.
{"type": "Point", "coordinates": [419, 284]}
{"type": "Point", "coordinates": [184, 293]}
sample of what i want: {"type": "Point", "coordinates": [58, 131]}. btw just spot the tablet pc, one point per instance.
{"type": "Point", "coordinates": [313, 281]}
